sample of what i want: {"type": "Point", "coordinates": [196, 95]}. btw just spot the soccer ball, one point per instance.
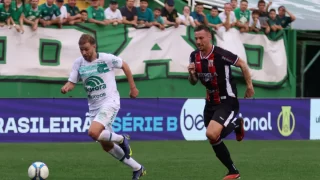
{"type": "Point", "coordinates": [38, 171]}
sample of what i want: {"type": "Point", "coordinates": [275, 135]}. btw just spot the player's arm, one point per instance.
{"type": "Point", "coordinates": [127, 71]}
{"type": "Point", "coordinates": [73, 78]}
{"type": "Point", "coordinates": [193, 79]}
{"type": "Point", "coordinates": [231, 59]}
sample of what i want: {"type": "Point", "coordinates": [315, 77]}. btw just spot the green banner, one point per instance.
{"type": "Point", "coordinates": [158, 60]}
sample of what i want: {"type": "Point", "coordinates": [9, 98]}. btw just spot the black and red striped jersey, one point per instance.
{"type": "Point", "coordinates": [214, 72]}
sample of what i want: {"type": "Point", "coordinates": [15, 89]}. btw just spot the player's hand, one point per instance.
{"type": "Point", "coordinates": [192, 68]}
{"type": "Point", "coordinates": [66, 88]}
{"type": "Point", "coordinates": [249, 92]}
{"type": "Point", "coordinates": [134, 92]}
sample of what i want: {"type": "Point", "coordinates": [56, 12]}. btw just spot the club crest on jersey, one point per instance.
{"type": "Point", "coordinates": [210, 63]}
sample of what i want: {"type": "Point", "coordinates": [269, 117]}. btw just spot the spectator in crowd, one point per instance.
{"type": "Point", "coordinates": [145, 14]}
{"type": "Point", "coordinates": [186, 18]}
{"type": "Point", "coordinates": [263, 14]}
{"type": "Point", "coordinates": [283, 19]}
{"type": "Point", "coordinates": [96, 14]}
{"type": "Point", "coordinates": [234, 4]}
{"type": "Point", "coordinates": [255, 25]}
{"type": "Point", "coordinates": [129, 13]}
{"type": "Point", "coordinates": [84, 15]}
{"type": "Point", "coordinates": [47, 10]}
{"type": "Point", "coordinates": [5, 13]}
{"type": "Point", "coordinates": [158, 20]}
{"type": "Point", "coordinates": [74, 15]}
{"type": "Point", "coordinates": [275, 25]}
{"type": "Point", "coordinates": [113, 14]}
{"type": "Point", "coordinates": [243, 16]}
{"type": "Point", "coordinates": [170, 14]}
{"type": "Point", "coordinates": [228, 17]}
{"type": "Point", "coordinates": [64, 14]}
{"type": "Point", "coordinates": [199, 16]}
{"type": "Point", "coordinates": [213, 18]}
{"type": "Point", "coordinates": [32, 14]}
{"type": "Point", "coordinates": [18, 7]}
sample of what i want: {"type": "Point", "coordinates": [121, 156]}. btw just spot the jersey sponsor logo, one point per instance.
{"type": "Point", "coordinates": [96, 97]}
{"type": "Point", "coordinates": [207, 76]}
{"type": "Point", "coordinates": [286, 121]}
{"type": "Point", "coordinates": [93, 70]}
{"type": "Point", "coordinates": [94, 83]}
{"type": "Point", "coordinates": [315, 119]}
{"type": "Point", "coordinates": [227, 59]}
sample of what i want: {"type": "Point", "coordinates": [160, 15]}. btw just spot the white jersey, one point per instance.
{"type": "Point", "coordinates": [98, 79]}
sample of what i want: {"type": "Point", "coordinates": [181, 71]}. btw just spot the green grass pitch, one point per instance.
{"type": "Point", "coordinates": [165, 160]}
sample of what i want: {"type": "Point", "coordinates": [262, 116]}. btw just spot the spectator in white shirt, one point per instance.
{"type": "Point", "coordinates": [186, 19]}
{"type": "Point", "coordinates": [113, 14]}
{"type": "Point", "coordinates": [228, 17]}
{"type": "Point", "coordinates": [63, 10]}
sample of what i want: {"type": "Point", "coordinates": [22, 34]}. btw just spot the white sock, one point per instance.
{"type": "Point", "coordinates": [132, 163]}
{"type": "Point", "coordinates": [118, 153]}
{"type": "Point", "coordinates": [110, 136]}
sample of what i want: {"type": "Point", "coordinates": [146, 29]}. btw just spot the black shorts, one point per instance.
{"type": "Point", "coordinates": [223, 113]}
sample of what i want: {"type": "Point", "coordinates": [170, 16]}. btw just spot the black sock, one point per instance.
{"type": "Point", "coordinates": [223, 155]}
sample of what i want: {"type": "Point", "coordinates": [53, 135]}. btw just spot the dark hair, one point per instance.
{"type": "Point", "coordinates": [83, 11]}
{"type": "Point", "coordinates": [199, 4]}
{"type": "Point", "coordinates": [214, 7]}
{"type": "Point", "coordinates": [86, 38]}
{"type": "Point", "coordinates": [272, 10]}
{"type": "Point", "coordinates": [244, 1]}
{"type": "Point", "coordinates": [156, 9]}
{"type": "Point", "coordinates": [255, 12]}
{"type": "Point", "coordinates": [144, 1]}
{"type": "Point", "coordinates": [261, 2]}
{"type": "Point", "coordinates": [202, 27]}
{"type": "Point", "coordinates": [234, 0]}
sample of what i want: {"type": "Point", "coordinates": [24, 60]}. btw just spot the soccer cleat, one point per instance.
{"type": "Point", "coordinates": [232, 176]}
{"type": "Point", "coordinates": [125, 146]}
{"type": "Point", "coordinates": [137, 174]}
{"type": "Point", "coordinates": [239, 130]}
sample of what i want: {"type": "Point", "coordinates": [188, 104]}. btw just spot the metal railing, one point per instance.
{"type": "Point", "coordinates": [207, 3]}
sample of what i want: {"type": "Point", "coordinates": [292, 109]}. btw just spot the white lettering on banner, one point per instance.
{"type": "Point", "coordinates": [274, 60]}
{"type": "Point", "coordinates": [192, 121]}
{"type": "Point", "coordinates": [257, 124]}
{"type": "Point", "coordinates": [315, 119]}
{"type": "Point", "coordinates": [37, 125]}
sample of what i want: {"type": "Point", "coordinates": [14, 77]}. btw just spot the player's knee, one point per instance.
{"type": "Point", "coordinates": [212, 136]}
{"type": "Point", "coordinates": [94, 134]}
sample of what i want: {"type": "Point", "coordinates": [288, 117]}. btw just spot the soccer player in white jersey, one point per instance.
{"type": "Point", "coordinates": [97, 73]}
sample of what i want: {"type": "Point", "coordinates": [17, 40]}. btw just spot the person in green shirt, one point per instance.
{"type": "Point", "coordinates": [74, 15]}
{"type": "Point", "coordinates": [213, 18]}
{"type": "Point", "coordinates": [96, 14]}
{"type": "Point", "coordinates": [5, 13]}
{"type": "Point", "coordinates": [17, 15]}
{"type": "Point", "coordinates": [275, 26]}
{"type": "Point", "coordinates": [158, 20]}
{"type": "Point", "coordinates": [32, 14]}
{"type": "Point", "coordinates": [284, 20]}
{"type": "Point", "coordinates": [47, 10]}
{"type": "Point", "coordinates": [145, 14]}
{"type": "Point", "coordinates": [243, 16]}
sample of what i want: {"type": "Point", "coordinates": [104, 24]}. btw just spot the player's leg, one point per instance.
{"type": "Point", "coordinates": [116, 151]}
{"type": "Point", "coordinates": [221, 118]}
{"type": "Point", "coordinates": [104, 118]}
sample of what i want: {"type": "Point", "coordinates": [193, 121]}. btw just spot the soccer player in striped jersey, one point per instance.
{"type": "Point", "coordinates": [211, 65]}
